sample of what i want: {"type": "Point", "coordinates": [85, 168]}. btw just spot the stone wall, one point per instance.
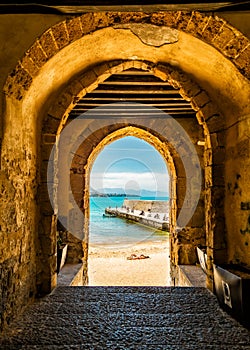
{"type": "Point", "coordinates": [154, 206]}
{"type": "Point", "coordinates": [237, 194]}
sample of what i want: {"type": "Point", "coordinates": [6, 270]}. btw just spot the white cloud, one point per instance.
{"type": "Point", "coordinates": [149, 181]}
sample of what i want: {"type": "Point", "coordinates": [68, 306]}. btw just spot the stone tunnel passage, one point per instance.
{"type": "Point", "coordinates": [50, 78]}
{"type": "Point", "coordinates": [122, 251]}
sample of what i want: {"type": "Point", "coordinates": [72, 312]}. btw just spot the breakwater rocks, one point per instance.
{"type": "Point", "coordinates": [146, 212]}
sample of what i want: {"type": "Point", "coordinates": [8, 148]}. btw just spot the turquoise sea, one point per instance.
{"type": "Point", "coordinates": [115, 231]}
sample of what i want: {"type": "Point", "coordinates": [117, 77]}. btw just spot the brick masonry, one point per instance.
{"type": "Point", "coordinates": [213, 30]}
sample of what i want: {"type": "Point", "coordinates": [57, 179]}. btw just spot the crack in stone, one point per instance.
{"type": "Point", "coordinates": [151, 34]}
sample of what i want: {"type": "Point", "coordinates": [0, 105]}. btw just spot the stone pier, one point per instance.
{"type": "Point", "coordinates": [146, 212]}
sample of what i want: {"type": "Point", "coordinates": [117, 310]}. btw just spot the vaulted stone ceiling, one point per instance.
{"type": "Point", "coordinates": [134, 87]}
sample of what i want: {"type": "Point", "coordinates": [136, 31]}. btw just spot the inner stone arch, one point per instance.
{"type": "Point", "coordinates": [85, 157]}
{"type": "Point", "coordinates": [118, 236]}
{"type": "Point", "coordinates": [81, 190]}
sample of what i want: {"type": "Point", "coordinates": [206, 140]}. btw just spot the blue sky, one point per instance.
{"type": "Point", "coordinates": [130, 163]}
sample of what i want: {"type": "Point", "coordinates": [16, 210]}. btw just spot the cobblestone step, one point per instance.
{"type": "Point", "coordinates": [126, 318]}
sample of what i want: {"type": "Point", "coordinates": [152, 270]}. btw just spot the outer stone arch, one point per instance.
{"type": "Point", "coordinates": [213, 30]}
{"type": "Point", "coordinates": [24, 83]}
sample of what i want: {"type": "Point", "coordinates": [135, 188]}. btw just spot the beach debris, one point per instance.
{"type": "Point", "coordinates": [137, 257]}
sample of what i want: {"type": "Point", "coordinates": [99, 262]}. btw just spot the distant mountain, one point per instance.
{"type": "Point", "coordinates": [130, 192]}
{"type": "Point", "coordinates": [156, 194]}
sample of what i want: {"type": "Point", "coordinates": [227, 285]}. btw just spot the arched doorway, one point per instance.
{"type": "Point", "coordinates": [168, 143]}
{"type": "Point", "coordinates": [124, 249]}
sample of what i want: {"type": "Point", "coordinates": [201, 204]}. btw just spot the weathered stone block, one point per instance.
{"type": "Point", "coordinates": [21, 78]}
{"type": "Point", "coordinates": [79, 160]}
{"type": "Point", "coordinates": [164, 18]}
{"type": "Point", "coordinates": [242, 62]}
{"type": "Point", "coordinates": [37, 54]}
{"type": "Point", "coordinates": [65, 100]}
{"type": "Point", "coordinates": [29, 66]}
{"type": "Point", "coordinates": [197, 23]}
{"type": "Point", "coordinates": [137, 64]}
{"type": "Point", "coordinates": [182, 20]}
{"type": "Point", "coordinates": [179, 76]}
{"type": "Point", "coordinates": [56, 111]}
{"type": "Point", "coordinates": [125, 65]}
{"type": "Point", "coordinates": [49, 138]}
{"type": "Point", "coordinates": [87, 21]}
{"type": "Point", "coordinates": [60, 34]}
{"type": "Point", "coordinates": [102, 72]}
{"type": "Point", "coordinates": [235, 46]}
{"type": "Point", "coordinates": [215, 123]}
{"type": "Point", "coordinates": [101, 20]}
{"type": "Point", "coordinates": [200, 100]}
{"type": "Point", "coordinates": [146, 66]}
{"type": "Point", "coordinates": [48, 237]}
{"type": "Point", "coordinates": [225, 35]}
{"type": "Point", "coordinates": [190, 89]}
{"type": "Point", "coordinates": [221, 137]}
{"type": "Point", "coordinates": [160, 73]}
{"type": "Point", "coordinates": [212, 28]}
{"type": "Point", "coordinates": [75, 89]}
{"type": "Point", "coordinates": [48, 43]}
{"type": "Point", "coordinates": [118, 66]}
{"type": "Point", "coordinates": [74, 28]}
{"type": "Point", "coordinates": [209, 110]}
{"type": "Point", "coordinates": [89, 78]}
{"type": "Point", "coordinates": [187, 255]}
{"type": "Point", "coordinates": [214, 140]}
{"type": "Point", "coordinates": [137, 17]}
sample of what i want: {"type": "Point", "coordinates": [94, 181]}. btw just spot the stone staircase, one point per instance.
{"type": "Point", "coordinates": [126, 318]}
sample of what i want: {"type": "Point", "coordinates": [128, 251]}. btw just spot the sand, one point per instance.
{"type": "Point", "coordinates": [109, 266]}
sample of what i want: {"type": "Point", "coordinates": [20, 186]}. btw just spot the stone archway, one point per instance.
{"type": "Point", "coordinates": [121, 132]}
{"type": "Point", "coordinates": [210, 71]}
{"type": "Point", "coordinates": [86, 153]}
{"type": "Point", "coordinates": [79, 174]}
{"type": "Point", "coordinates": [189, 90]}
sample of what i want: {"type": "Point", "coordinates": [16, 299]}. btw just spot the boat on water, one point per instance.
{"type": "Point", "coordinates": [109, 215]}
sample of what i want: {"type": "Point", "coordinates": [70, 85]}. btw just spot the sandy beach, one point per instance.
{"type": "Point", "coordinates": [109, 266]}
